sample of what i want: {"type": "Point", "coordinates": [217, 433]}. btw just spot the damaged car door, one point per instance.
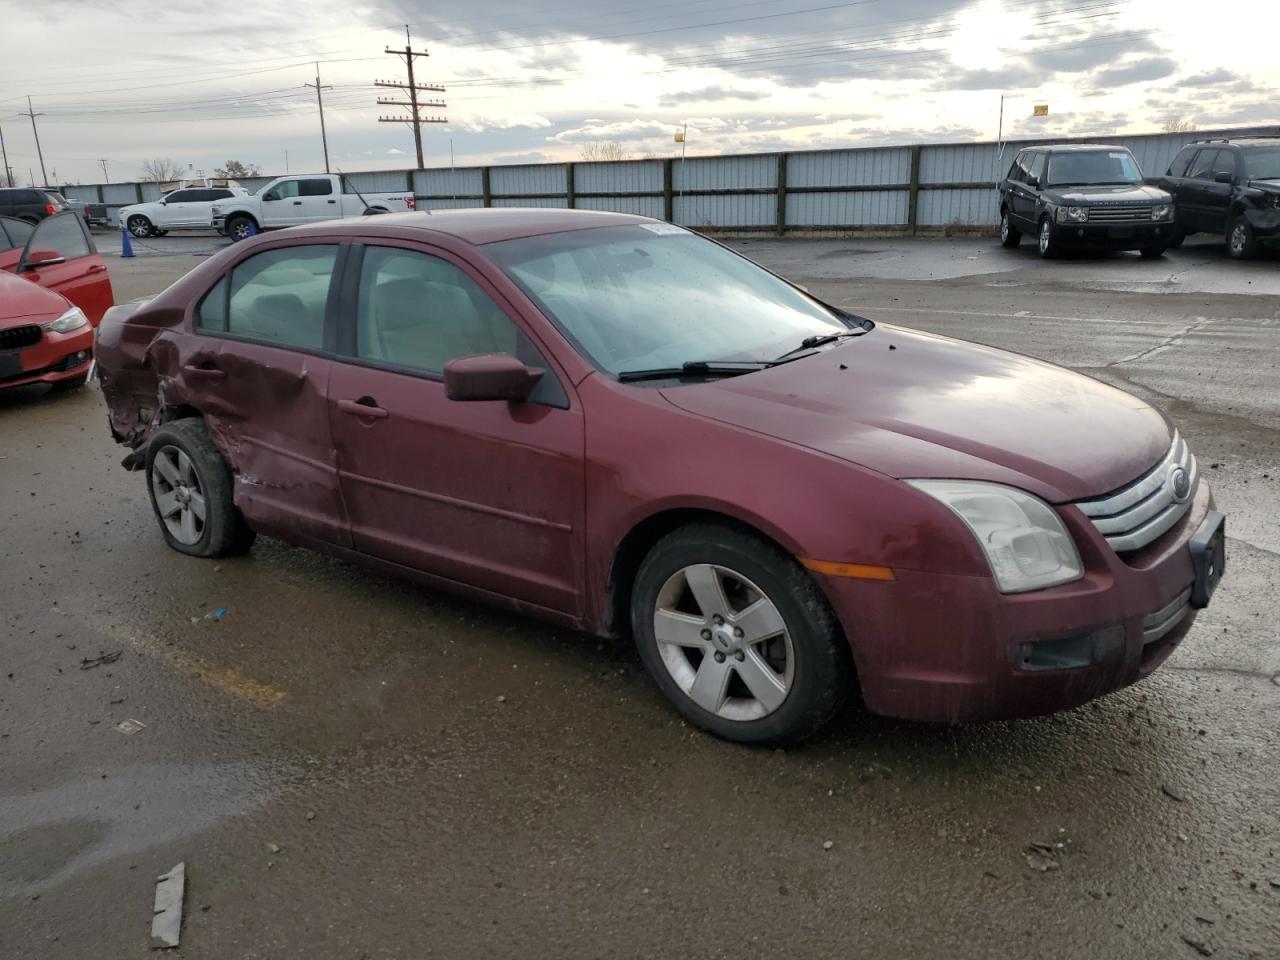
{"type": "Point", "coordinates": [485, 492]}
{"type": "Point", "coordinates": [259, 374]}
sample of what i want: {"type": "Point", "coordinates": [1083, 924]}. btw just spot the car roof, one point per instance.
{"type": "Point", "coordinates": [478, 226]}
{"type": "Point", "coordinates": [1244, 142]}
{"type": "Point", "coordinates": [1077, 147]}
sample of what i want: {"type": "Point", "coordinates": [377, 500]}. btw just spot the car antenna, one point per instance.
{"type": "Point", "coordinates": [342, 178]}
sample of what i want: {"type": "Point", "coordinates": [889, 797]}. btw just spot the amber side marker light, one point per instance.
{"type": "Point", "coordinates": [855, 571]}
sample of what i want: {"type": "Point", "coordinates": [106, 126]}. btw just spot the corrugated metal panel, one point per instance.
{"type": "Point", "coordinates": [381, 181]}
{"type": "Point", "coordinates": [848, 168]}
{"type": "Point", "coordinates": [641, 206]}
{"type": "Point", "coordinates": [873, 208]}
{"type": "Point", "coordinates": [151, 191]}
{"type": "Point", "coordinates": [447, 183]}
{"type": "Point", "coordinates": [963, 163]}
{"type": "Point", "coordinates": [253, 184]}
{"type": "Point", "coordinates": [86, 193]}
{"type": "Point", "coordinates": [724, 173]}
{"type": "Point", "coordinates": [119, 193]}
{"type": "Point", "coordinates": [449, 204]}
{"type": "Point", "coordinates": [969, 207]}
{"type": "Point", "coordinates": [523, 181]}
{"type": "Point", "coordinates": [558, 204]}
{"type": "Point", "coordinates": [751, 210]}
{"type": "Point", "coordinates": [644, 176]}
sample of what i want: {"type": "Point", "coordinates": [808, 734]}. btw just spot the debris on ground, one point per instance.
{"type": "Point", "coordinates": [166, 919]}
{"type": "Point", "coordinates": [311, 814]}
{"type": "Point", "coordinates": [1171, 793]}
{"type": "Point", "coordinates": [1043, 857]}
{"type": "Point", "coordinates": [827, 844]}
{"type": "Point", "coordinates": [217, 614]}
{"type": "Point", "coordinates": [130, 727]}
{"type": "Point", "coordinates": [1197, 946]}
{"type": "Point", "coordinates": [88, 663]}
{"type": "Point", "coordinates": [274, 847]}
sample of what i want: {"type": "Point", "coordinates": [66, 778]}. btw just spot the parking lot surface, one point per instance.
{"type": "Point", "coordinates": [353, 767]}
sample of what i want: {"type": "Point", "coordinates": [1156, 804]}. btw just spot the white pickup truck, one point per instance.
{"type": "Point", "coordinates": [289, 201]}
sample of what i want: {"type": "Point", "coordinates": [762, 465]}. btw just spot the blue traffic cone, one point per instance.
{"type": "Point", "coordinates": [126, 247]}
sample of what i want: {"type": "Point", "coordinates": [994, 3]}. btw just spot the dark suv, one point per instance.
{"type": "Point", "coordinates": [29, 204]}
{"type": "Point", "coordinates": [1230, 187]}
{"type": "Point", "coordinates": [1084, 195]}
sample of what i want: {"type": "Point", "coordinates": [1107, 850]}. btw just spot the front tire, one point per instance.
{"type": "Point", "coordinates": [1047, 246]}
{"type": "Point", "coordinates": [1241, 243]}
{"type": "Point", "coordinates": [139, 226]}
{"type": "Point", "coordinates": [190, 489]}
{"type": "Point", "coordinates": [240, 228]}
{"type": "Point", "coordinates": [737, 635]}
{"type": "Point", "coordinates": [1010, 236]}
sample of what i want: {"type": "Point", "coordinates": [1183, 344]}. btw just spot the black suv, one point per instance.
{"type": "Point", "coordinates": [28, 204]}
{"type": "Point", "coordinates": [1085, 195]}
{"type": "Point", "coordinates": [1231, 187]}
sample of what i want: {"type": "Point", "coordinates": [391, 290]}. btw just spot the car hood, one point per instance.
{"type": "Point", "coordinates": [1128, 193]}
{"type": "Point", "coordinates": [915, 405]}
{"type": "Point", "coordinates": [23, 302]}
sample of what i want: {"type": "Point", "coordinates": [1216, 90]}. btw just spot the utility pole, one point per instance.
{"type": "Point", "coordinates": [320, 102]}
{"type": "Point", "coordinates": [106, 178]}
{"type": "Point", "coordinates": [8, 170]}
{"type": "Point", "coordinates": [413, 103]}
{"type": "Point", "coordinates": [32, 114]}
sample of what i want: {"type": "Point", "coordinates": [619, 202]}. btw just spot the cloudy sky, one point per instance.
{"type": "Point", "coordinates": [536, 81]}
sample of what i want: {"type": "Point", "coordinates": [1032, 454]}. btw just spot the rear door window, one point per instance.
{"type": "Point", "coordinates": [277, 296]}
{"type": "Point", "coordinates": [316, 188]}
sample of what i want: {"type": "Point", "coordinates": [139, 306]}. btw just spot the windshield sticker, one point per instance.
{"type": "Point", "coordinates": [663, 229]}
{"type": "Point", "coordinates": [1119, 156]}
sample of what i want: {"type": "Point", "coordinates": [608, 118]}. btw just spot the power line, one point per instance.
{"type": "Point", "coordinates": [413, 89]}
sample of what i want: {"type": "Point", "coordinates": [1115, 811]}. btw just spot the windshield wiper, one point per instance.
{"type": "Point", "coordinates": [696, 368]}
{"type": "Point", "coordinates": [809, 343]}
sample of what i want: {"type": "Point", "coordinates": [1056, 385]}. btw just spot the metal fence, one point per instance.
{"type": "Point", "coordinates": [911, 188]}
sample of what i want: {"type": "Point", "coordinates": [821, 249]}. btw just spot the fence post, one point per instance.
{"type": "Point", "coordinates": [668, 204]}
{"type": "Point", "coordinates": [101, 197]}
{"type": "Point", "coordinates": [137, 188]}
{"type": "Point", "coordinates": [484, 187]}
{"type": "Point", "coordinates": [913, 194]}
{"type": "Point", "coordinates": [780, 218]}
{"type": "Point", "coordinates": [569, 196]}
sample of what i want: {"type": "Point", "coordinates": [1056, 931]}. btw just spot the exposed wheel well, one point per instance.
{"type": "Point", "coordinates": [636, 545]}
{"type": "Point", "coordinates": [181, 412]}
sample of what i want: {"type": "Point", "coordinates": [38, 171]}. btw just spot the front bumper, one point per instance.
{"type": "Point", "coordinates": [953, 648]}
{"type": "Point", "coordinates": [58, 356]}
{"type": "Point", "coordinates": [1114, 236]}
{"type": "Point", "coordinates": [1265, 224]}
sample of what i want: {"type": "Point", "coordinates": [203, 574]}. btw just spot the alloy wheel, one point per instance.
{"type": "Point", "coordinates": [179, 497]}
{"type": "Point", "coordinates": [1004, 227]}
{"type": "Point", "coordinates": [724, 642]}
{"type": "Point", "coordinates": [1239, 240]}
{"type": "Point", "coordinates": [1046, 236]}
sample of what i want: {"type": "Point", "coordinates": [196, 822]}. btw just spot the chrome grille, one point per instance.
{"type": "Point", "coordinates": [1118, 214]}
{"type": "Point", "coordinates": [1135, 515]}
{"type": "Point", "coordinates": [1156, 626]}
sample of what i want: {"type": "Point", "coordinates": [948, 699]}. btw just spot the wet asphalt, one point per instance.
{"type": "Point", "coordinates": [351, 767]}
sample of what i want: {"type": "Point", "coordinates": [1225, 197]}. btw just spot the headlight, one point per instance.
{"type": "Point", "coordinates": [1162, 212]}
{"type": "Point", "coordinates": [1025, 541]}
{"type": "Point", "coordinates": [73, 319]}
{"type": "Point", "coordinates": [1073, 214]}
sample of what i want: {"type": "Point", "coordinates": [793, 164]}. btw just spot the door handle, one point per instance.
{"type": "Point", "coordinates": [204, 373]}
{"type": "Point", "coordinates": [96, 268]}
{"type": "Point", "coordinates": [364, 407]}
{"type": "Point", "coordinates": [332, 201]}
{"type": "Point", "coordinates": [297, 203]}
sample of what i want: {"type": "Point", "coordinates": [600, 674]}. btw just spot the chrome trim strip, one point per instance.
{"type": "Point", "coordinates": [1147, 484]}
{"type": "Point", "coordinates": [1158, 624]}
{"type": "Point", "coordinates": [1138, 514]}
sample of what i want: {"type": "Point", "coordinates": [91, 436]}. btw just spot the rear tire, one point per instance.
{"type": "Point", "coordinates": [1241, 244]}
{"type": "Point", "coordinates": [1152, 253]}
{"type": "Point", "coordinates": [772, 670]}
{"type": "Point", "coordinates": [139, 226]}
{"type": "Point", "coordinates": [1010, 236]}
{"type": "Point", "coordinates": [187, 477]}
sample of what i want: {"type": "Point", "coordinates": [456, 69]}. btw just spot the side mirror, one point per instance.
{"type": "Point", "coordinates": [42, 258]}
{"type": "Point", "coordinates": [271, 195]}
{"type": "Point", "coordinates": [1224, 177]}
{"type": "Point", "coordinates": [1033, 182]}
{"type": "Point", "coordinates": [164, 202]}
{"type": "Point", "coordinates": [489, 376]}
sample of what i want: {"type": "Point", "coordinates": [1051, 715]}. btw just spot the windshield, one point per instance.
{"type": "Point", "coordinates": [1093, 167]}
{"type": "Point", "coordinates": [1262, 163]}
{"type": "Point", "coordinates": [654, 295]}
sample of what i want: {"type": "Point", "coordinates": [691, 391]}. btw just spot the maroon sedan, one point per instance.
{"type": "Point", "coordinates": [616, 424]}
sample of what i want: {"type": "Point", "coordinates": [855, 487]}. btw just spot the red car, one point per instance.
{"type": "Point", "coordinates": [54, 290]}
{"type": "Point", "coordinates": [616, 424]}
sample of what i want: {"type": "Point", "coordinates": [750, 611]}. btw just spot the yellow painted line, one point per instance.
{"type": "Point", "coordinates": [226, 679]}
{"type": "Point", "coordinates": [854, 571]}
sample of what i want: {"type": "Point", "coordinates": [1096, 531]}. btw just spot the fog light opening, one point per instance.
{"type": "Point", "coordinates": [1087, 649]}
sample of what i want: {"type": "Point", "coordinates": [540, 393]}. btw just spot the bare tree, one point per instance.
{"type": "Point", "coordinates": [235, 169]}
{"type": "Point", "coordinates": [602, 151]}
{"type": "Point", "coordinates": [1179, 125]}
{"type": "Point", "coordinates": [161, 169]}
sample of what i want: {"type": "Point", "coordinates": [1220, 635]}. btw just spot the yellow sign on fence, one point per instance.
{"type": "Point", "coordinates": [1041, 110]}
